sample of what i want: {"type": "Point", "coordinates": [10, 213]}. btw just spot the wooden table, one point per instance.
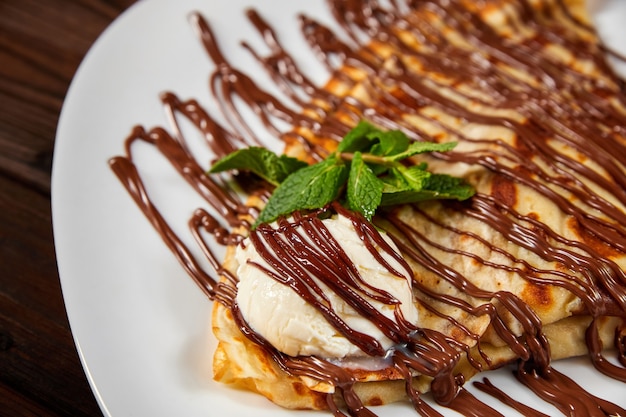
{"type": "Point", "coordinates": [41, 44]}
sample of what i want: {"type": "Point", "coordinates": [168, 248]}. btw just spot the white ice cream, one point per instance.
{"type": "Point", "coordinates": [295, 327]}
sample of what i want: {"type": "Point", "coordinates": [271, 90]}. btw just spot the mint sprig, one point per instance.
{"type": "Point", "coordinates": [367, 170]}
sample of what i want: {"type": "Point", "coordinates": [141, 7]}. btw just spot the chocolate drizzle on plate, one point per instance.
{"type": "Point", "coordinates": [561, 115]}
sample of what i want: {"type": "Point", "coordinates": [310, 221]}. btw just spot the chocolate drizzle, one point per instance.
{"type": "Point", "coordinates": [550, 108]}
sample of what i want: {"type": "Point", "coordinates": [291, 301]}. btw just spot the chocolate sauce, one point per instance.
{"type": "Point", "coordinates": [486, 386]}
{"type": "Point", "coordinates": [559, 107]}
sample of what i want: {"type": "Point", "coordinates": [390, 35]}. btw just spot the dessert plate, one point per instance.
{"type": "Point", "coordinates": [141, 326]}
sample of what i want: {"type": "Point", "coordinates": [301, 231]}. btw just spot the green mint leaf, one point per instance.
{"type": "Point", "coordinates": [357, 139]}
{"type": "Point", "coordinates": [365, 137]}
{"type": "Point", "coordinates": [413, 177]}
{"type": "Point", "coordinates": [423, 147]}
{"type": "Point", "coordinates": [391, 142]}
{"type": "Point", "coordinates": [450, 187]}
{"type": "Point", "coordinates": [263, 162]}
{"type": "Point", "coordinates": [435, 187]}
{"type": "Point", "coordinates": [308, 188]}
{"type": "Point", "coordinates": [364, 190]}
{"type": "Point", "coordinates": [407, 196]}
{"type": "Point", "coordinates": [289, 165]}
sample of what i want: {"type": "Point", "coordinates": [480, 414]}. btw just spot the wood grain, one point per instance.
{"type": "Point", "coordinates": [41, 46]}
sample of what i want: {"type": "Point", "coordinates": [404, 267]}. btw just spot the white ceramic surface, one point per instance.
{"type": "Point", "coordinates": [140, 324]}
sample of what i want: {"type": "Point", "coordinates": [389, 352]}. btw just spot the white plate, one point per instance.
{"type": "Point", "coordinates": [140, 324]}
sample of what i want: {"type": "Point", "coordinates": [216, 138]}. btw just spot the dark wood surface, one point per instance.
{"type": "Point", "coordinates": [41, 45]}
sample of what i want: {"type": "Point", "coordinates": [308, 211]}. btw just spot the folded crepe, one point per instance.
{"type": "Point", "coordinates": [531, 269]}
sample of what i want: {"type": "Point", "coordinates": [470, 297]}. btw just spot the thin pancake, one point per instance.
{"type": "Point", "coordinates": [546, 227]}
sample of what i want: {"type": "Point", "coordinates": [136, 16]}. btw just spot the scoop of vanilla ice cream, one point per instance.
{"type": "Point", "coordinates": [294, 326]}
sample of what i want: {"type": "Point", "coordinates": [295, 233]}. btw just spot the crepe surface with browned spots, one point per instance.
{"type": "Point", "coordinates": [534, 228]}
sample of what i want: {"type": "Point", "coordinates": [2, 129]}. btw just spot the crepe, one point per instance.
{"type": "Point", "coordinates": [547, 223]}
